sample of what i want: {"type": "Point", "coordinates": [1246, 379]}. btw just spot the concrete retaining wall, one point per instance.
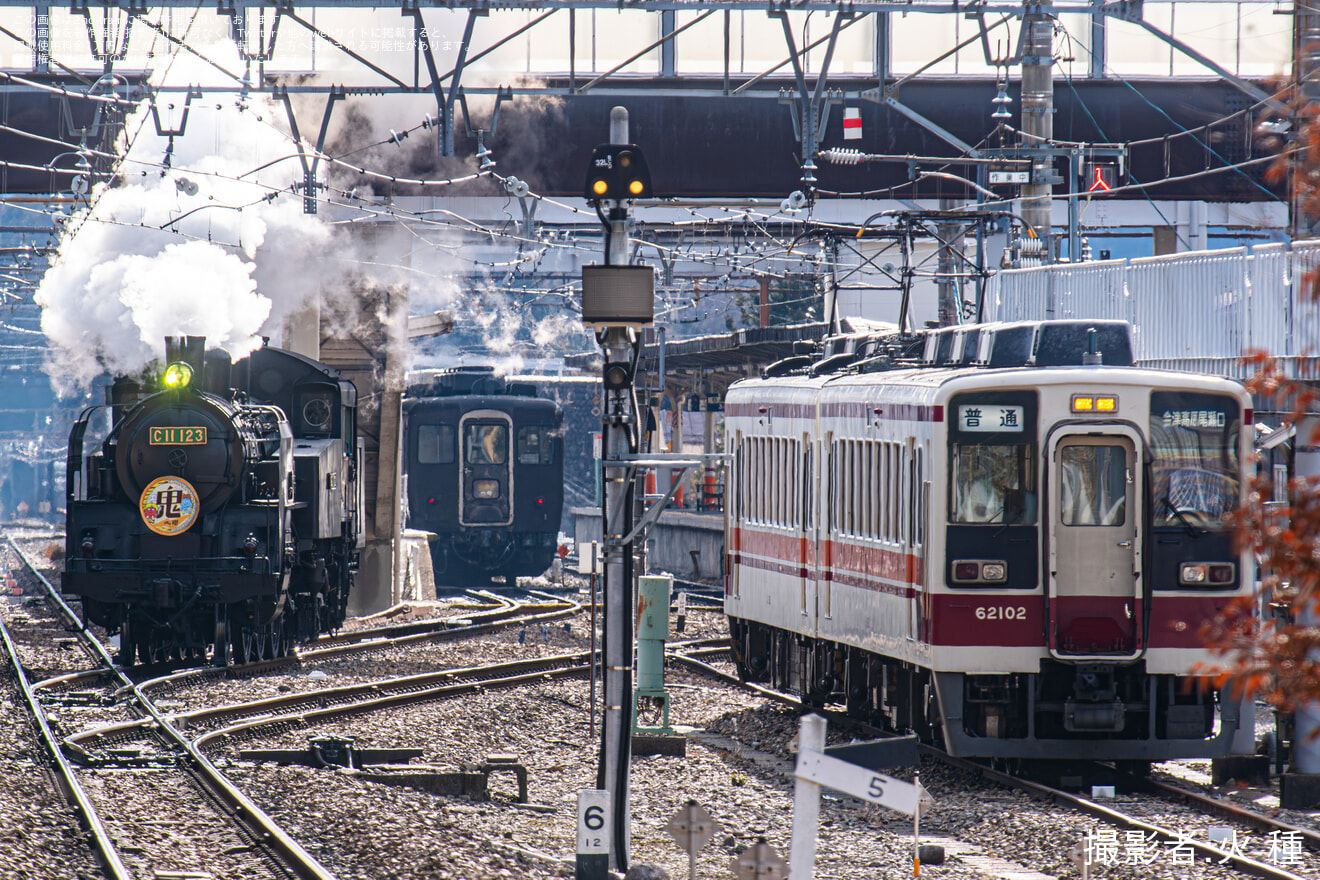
{"type": "Point", "coordinates": [671, 542]}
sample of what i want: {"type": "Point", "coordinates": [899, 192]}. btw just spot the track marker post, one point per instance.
{"type": "Point", "coordinates": [816, 769]}
{"type": "Point", "coordinates": [593, 835]}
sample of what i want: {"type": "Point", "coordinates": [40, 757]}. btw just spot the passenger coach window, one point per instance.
{"type": "Point", "coordinates": [486, 444]}
{"type": "Point", "coordinates": [1194, 441]}
{"type": "Point", "coordinates": [535, 445]}
{"type": "Point", "coordinates": [1094, 485]}
{"type": "Point", "coordinates": [993, 484]}
{"type": "Point", "coordinates": [435, 444]}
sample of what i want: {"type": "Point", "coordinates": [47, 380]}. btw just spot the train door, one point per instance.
{"type": "Point", "coordinates": [735, 513]}
{"type": "Point", "coordinates": [1095, 590]}
{"type": "Point", "coordinates": [910, 525]}
{"type": "Point", "coordinates": [824, 502]}
{"type": "Point", "coordinates": [486, 473]}
{"type": "Point", "coordinates": [802, 502]}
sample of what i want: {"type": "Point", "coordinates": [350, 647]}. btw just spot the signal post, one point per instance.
{"type": "Point", "coordinates": [617, 301]}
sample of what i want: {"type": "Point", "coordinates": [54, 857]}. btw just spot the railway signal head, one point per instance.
{"type": "Point", "coordinates": [617, 172]}
{"type": "Point", "coordinates": [1101, 177]}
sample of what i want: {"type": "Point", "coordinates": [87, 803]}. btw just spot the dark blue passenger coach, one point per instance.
{"type": "Point", "coordinates": [485, 473]}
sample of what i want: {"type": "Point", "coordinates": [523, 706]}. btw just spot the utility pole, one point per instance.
{"type": "Point", "coordinates": [1306, 62]}
{"type": "Point", "coordinates": [617, 301]}
{"type": "Point", "coordinates": [946, 275]}
{"type": "Point", "coordinates": [1038, 129]}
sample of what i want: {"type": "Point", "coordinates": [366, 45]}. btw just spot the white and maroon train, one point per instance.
{"type": "Point", "coordinates": [1007, 542]}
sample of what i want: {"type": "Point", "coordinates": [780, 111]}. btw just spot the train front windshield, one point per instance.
{"type": "Point", "coordinates": [993, 483]}
{"type": "Point", "coordinates": [1194, 443]}
{"type": "Point", "coordinates": [487, 443]}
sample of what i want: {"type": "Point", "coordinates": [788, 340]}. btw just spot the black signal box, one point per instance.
{"type": "Point", "coordinates": [617, 172]}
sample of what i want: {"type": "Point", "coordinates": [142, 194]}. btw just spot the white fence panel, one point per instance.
{"type": "Point", "coordinates": [1206, 307]}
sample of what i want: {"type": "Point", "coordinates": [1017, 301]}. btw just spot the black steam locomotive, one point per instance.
{"type": "Point", "coordinates": [485, 469]}
{"type": "Point", "coordinates": [221, 510]}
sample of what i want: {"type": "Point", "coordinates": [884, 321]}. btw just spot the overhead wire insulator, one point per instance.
{"type": "Point", "coordinates": [843, 156]}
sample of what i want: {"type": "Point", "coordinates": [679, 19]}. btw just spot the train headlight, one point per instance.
{"type": "Point", "coordinates": [1218, 574]}
{"type": "Point", "coordinates": [980, 571]}
{"type": "Point", "coordinates": [485, 489]}
{"type": "Point", "coordinates": [1224, 573]}
{"type": "Point", "coordinates": [1193, 573]}
{"type": "Point", "coordinates": [178, 375]}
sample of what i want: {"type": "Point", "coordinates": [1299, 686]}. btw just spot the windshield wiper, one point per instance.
{"type": "Point", "coordinates": [1022, 511]}
{"type": "Point", "coordinates": [1192, 530]}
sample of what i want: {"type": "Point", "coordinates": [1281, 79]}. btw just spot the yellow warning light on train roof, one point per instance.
{"type": "Point", "coordinates": [1088, 403]}
{"type": "Point", "coordinates": [178, 375]}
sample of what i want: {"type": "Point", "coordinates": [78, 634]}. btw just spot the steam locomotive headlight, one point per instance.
{"type": "Point", "coordinates": [485, 489]}
{"type": "Point", "coordinates": [88, 544]}
{"type": "Point", "coordinates": [250, 544]}
{"type": "Point", "coordinates": [994, 572]}
{"type": "Point", "coordinates": [178, 375]}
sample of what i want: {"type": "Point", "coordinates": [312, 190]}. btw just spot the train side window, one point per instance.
{"type": "Point", "coordinates": [536, 444]}
{"type": "Point", "coordinates": [435, 444]}
{"type": "Point", "coordinates": [918, 502]}
{"type": "Point", "coordinates": [486, 443]}
{"type": "Point", "coordinates": [808, 480]}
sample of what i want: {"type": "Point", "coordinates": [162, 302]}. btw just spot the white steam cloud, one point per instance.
{"type": "Point", "coordinates": [199, 248]}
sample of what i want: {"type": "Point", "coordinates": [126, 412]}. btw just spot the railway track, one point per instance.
{"type": "Point", "coordinates": [100, 748]}
{"type": "Point", "coordinates": [102, 723]}
{"type": "Point", "coordinates": [1234, 816]}
{"type": "Point", "coordinates": [232, 830]}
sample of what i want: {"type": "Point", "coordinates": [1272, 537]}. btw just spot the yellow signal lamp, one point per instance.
{"type": "Point", "coordinates": [617, 172]}
{"type": "Point", "coordinates": [1088, 403]}
{"type": "Point", "coordinates": [178, 375]}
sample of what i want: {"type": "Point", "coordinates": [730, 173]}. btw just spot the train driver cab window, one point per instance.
{"type": "Point", "coordinates": [435, 444]}
{"type": "Point", "coordinates": [993, 484]}
{"type": "Point", "coordinates": [1194, 442]}
{"type": "Point", "coordinates": [536, 445]}
{"type": "Point", "coordinates": [317, 412]}
{"type": "Point", "coordinates": [486, 443]}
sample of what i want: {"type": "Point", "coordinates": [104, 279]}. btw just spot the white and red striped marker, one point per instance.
{"type": "Point", "coordinates": [852, 123]}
